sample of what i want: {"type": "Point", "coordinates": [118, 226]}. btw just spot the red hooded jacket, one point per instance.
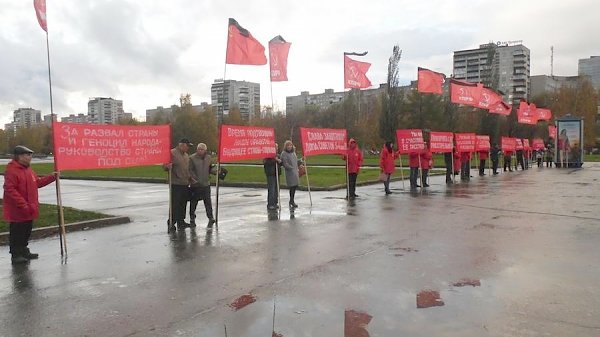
{"type": "Point", "coordinates": [355, 157]}
{"type": "Point", "coordinates": [387, 160]}
{"type": "Point", "coordinates": [21, 192]}
{"type": "Point", "coordinates": [426, 158]}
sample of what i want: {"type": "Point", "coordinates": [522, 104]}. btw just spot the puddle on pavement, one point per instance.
{"type": "Point", "coordinates": [428, 299]}
{"type": "Point", "coordinates": [242, 302]}
{"type": "Point", "coordinates": [355, 323]}
{"type": "Point", "coordinates": [467, 282]}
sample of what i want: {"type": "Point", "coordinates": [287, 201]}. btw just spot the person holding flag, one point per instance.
{"type": "Point", "coordinates": [179, 180]}
{"type": "Point", "coordinates": [21, 205]}
{"type": "Point", "coordinates": [355, 159]}
{"type": "Point", "coordinates": [272, 172]}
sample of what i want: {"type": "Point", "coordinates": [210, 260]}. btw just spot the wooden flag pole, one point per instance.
{"type": "Point", "coordinates": [61, 214]}
{"type": "Point", "coordinates": [170, 223]}
{"type": "Point", "coordinates": [401, 171]}
{"type": "Point", "coordinates": [452, 169]}
{"type": "Point", "coordinates": [217, 196]}
{"type": "Point", "coordinates": [347, 178]}
{"type": "Point", "coordinates": [307, 180]}
{"type": "Point", "coordinates": [489, 163]}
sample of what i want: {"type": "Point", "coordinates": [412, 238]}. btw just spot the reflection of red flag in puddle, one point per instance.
{"type": "Point", "coordinates": [242, 47]}
{"type": "Point", "coordinates": [429, 81]}
{"type": "Point", "coordinates": [278, 57]}
{"type": "Point", "coordinates": [355, 323]}
{"type": "Point", "coordinates": [355, 74]}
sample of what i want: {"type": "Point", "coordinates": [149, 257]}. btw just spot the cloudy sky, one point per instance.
{"type": "Point", "coordinates": [147, 53]}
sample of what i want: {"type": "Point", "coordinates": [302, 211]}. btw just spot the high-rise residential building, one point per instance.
{"type": "Point", "coordinates": [79, 119]}
{"type": "Point", "coordinates": [24, 118]}
{"type": "Point", "coordinates": [102, 110]}
{"type": "Point", "coordinates": [322, 101]}
{"type": "Point", "coordinates": [545, 83]}
{"type": "Point", "coordinates": [590, 67]}
{"type": "Point", "coordinates": [504, 66]}
{"type": "Point", "coordinates": [48, 119]}
{"type": "Point", "coordinates": [228, 94]}
{"type": "Point", "coordinates": [167, 113]}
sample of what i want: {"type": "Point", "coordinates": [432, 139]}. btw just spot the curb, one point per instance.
{"type": "Point", "coordinates": [40, 233]}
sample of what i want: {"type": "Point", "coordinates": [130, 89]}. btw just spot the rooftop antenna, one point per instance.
{"type": "Point", "coordinates": [552, 61]}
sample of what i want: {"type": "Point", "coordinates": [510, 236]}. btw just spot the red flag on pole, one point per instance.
{"type": "Point", "coordinates": [500, 108]}
{"type": "Point", "coordinates": [465, 92]}
{"type": "Point", "coordinates": [242, 47]}
{"type": "Point", "coordinates": [544, 114]}
{"type": "Point", "coordinates": [429, 81]}
{"type": "Point", "coordinates": [488, 98]}
{"type": "Point", "coordinates": [278, 55]}
{"type": "Point", "coordinates": [40, 12]}
{"type": "Point", "coordinates": [355, 74]}
{"type": "Point", "coordinates": [526, 114]}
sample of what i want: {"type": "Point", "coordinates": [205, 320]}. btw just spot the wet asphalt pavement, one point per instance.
{"type": "Point", "coordinates": [524, 245]}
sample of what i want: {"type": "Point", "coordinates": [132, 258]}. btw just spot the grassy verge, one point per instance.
{"type": "Point", "coordinates": [48, 217]}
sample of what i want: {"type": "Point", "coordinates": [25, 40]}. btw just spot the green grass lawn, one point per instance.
{"type": "Point", "coordinates": [48, 216]}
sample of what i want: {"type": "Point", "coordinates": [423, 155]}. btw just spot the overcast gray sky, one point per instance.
{"type": "Point", "coordinates": [147, 53]}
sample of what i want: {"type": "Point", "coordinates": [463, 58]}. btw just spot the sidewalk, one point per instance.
{"type": "Point", "coordinates": [528, 238]}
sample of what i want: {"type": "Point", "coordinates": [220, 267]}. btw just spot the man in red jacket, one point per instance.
{"type": "Point", "coordinates": [21, 205]}
{"type": "Point", "coordinates": [355, 160]}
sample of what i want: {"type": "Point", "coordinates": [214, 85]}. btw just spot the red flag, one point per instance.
{"type": "Point", "coordinates": [500, 108]}
{"type": "Point", "coordinates": [242, 47]}
{"type": "Point", "coordinates": [245, 142]}
{"type": "Point", "coordinates": [544, 114]}
{"type": "Point", "coordinates": [95, 146]}
{"type": "Point", "coordinates": [552, 131]}
{"type": "Point", "coordinates": [465, 92]}
{"type": "Point", "coordinates": [40, 12]}
{"type": "Point", "coordinates": [355, 74]}
{"type": "Point", "coordinates": [526, 114]}
{"type": "Point", "coordinates": [429, 81]}
{"type": "Point", "coordinates": [488, 98]}
{"type": "Point", "coordinates": [441, 142]}
{"type": "Point", "coordinates": [278, 55]}
{"type": "Point", "coordinates": [410, 141]}
{"type": "Point", "coordinates": [323, 141]}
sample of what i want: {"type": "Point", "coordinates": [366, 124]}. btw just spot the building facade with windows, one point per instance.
{"type": "Point", "coordinates": [590, 67]}
{"type": "Point", "coordinates": [228, 94]}
{"type": "Point", "coordinates": [105, 110]}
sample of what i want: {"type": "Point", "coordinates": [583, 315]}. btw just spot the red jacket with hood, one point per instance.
{"type": "Point", "coordinates": [355, 157]}
{"type": "Point", "coordinates": [21, 192]}
{"type": "Point", "coordinates": [387, 160]}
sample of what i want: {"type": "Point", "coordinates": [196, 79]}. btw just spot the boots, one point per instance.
{"type": "Point", "coordinates": [29, 255]}
{"type": "Point", "coordinates": [17, 256]}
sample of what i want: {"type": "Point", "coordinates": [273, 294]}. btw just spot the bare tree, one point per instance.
{"type": "Point", "coordinates": [392, 98]}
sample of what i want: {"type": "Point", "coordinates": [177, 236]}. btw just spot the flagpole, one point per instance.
{"type": "Point", "coordinates": [59, 207]}
{"type": "Point", "coordinates": [307, 180]}
{"type": "Point", "coordinates": [401, 171]}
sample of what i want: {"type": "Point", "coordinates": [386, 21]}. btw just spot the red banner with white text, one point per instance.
{"type": "Point", "coordinates": [508, 144]}
{"type": "Point", "coordinates": [245, 142]}
{"type": "Point", "coordinates": [488, 99]}
{"type": "Point", "coordinates": [518, 144]}
{"type": "Point", "coordinates": [410, 141]}
{"type": "Point", "coordinates": [526, 145]}
{"type": "Point", "coordinates": [97, 146]}
{"type": "Point", "coordinates": [323, 141]}
{"type": "Point", "coordinates": [526, 114]}
{"type": "Point", "coordinates": [441, 142]}
{"type": "Point", "coordinates": [465, 142]}
{"type": "Point", "coordinates": [538, 144]}
{"type": "Point", "coordinates": [482, 143]}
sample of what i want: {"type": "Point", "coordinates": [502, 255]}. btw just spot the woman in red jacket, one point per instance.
{"type": "Point", "coordinates": [426, 164]}
{"type": "Point", "coordinates": [387, 164]}
{"type": "Point", "coordinates": [355, 160]}
{"type": "Point", "coordinates": [21, 205]}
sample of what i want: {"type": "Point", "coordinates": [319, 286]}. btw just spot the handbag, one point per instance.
{"type": "Point", "coordinates": [301, 170]}
{"type": "Point", "coordinates": [383, 176]}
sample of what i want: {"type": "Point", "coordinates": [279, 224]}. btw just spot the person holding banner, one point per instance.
{"type": "Point", "coordinates": [179, 168]}
{"type": "Point", "coordinates": [465, 169]}
{"type": "Point", "coordinates": [355, 160]}
{"type": "Point", "coordinates": [483, 156]}
{"type": "Point", "coordinates": [549, 155]}
{"type": "Point", "coordinates": [387, 164]}
{"type": "Point", "coordinates": [289, 160]}
{"type": "Point", "coordinates": [413, 164]}
{"type": "Point", "coordinates": [507, 160]}
{"type": "Point", "coordinates": [520, 160]}
{"type": "Point", "coordinates": [270, 166]}
{"type": "Point", "coordinates": [448, 164]}
{"type": "Point", "coordinates": [494, 156]}
{"type": "Point", "coordinates": [201, 167]}
{"type": "Point", "coordinates": [426, 159]}
{"type": "Point", "coordinates": [21, 205]}
{"type": "Point", "coordinates": [457, 163]}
